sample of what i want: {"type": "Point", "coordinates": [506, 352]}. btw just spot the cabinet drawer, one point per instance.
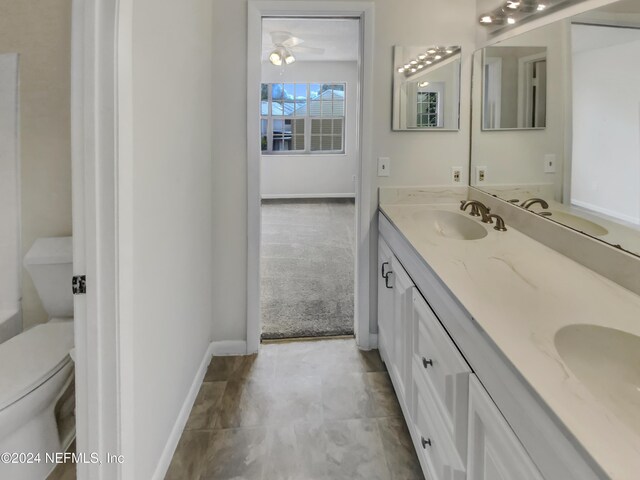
{"type": "Point", "coordinates": [438, 453]}
{"type": "Point", "coordinates": [443, 369]}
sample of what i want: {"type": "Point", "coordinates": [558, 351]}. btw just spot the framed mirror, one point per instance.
{"type": "Point", "coordinates": [585, 164]}
{"type": "Point", "coordinates": [514, 87]}
{"type": "Point", "coordinates": [426, 88]}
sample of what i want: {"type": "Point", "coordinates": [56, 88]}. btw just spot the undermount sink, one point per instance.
{"type": "Point", "coordinates": [578, 223]}
{"type": "Point", "coordinates": [607, 362]}
{"type": "Point", "coordinates": [452, 225]}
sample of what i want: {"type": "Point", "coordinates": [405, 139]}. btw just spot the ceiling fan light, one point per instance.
{"type": "Point", "coordinates": [275, 58]}
{"type": "Point", "coordinates": [289, 58]}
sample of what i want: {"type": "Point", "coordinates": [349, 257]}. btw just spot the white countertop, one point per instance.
{"type": "Point", "coordinates": [521, 293]}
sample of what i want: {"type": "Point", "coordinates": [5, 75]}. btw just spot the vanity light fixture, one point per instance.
{"type": "Point", "coordinates": [423, 84]}
{"type": "Point", "coordinates": [432, 56]}
{"type": "Point", "coordinates": [513, 11]}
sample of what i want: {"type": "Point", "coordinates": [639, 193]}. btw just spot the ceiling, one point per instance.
{"type": "Point", "coordinates": [338, 37]}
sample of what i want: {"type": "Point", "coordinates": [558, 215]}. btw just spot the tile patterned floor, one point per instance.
{"type": "Point", "coordinates": [314, 410]}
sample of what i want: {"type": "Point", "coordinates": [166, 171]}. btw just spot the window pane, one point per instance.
{"type": "Point", "coordinates": [264, 92]}
{"type": "Point", "coordinates": [263, 134]}
{"type": "Point", "coordinates": [337, 142]}
{"type": "Point", "coordinates": [337, 126]}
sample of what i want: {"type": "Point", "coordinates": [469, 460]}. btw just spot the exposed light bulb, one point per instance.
{"type": "Point", "coordinates": [541, 6]}
{"type": "Point", "coordinates": [431, 51]}
{"type": "Point", "coordinates": [289, 58]}
{"type": "Point", "coordinates": [413, 70]}
{"type": "Point", "coordinates": [420, 66]}
{"type": "Point", "coordinates": [422, 57]}
{"type": "Point", "coordinates": [511, 20]}
{"type": "Point", "coordinates": [438, 57]}
{"type": "Point", "coordinates": [486, 19]}
{"type": "Point", "coordinates": [413, 62]}
{"type": "Point", "coordinates": [449, 51]}
{"type": "Point", "coordinates": [423, 84]}
{"type": "Point", "coordinates": [428, 62]}
{"type": "Point", "coordinates": [513, 4]}
{"type": "Point", "coordinates": [401, 70]}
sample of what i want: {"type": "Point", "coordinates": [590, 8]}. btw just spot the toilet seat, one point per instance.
{"type": "Point", "coordinates": [31, 358]}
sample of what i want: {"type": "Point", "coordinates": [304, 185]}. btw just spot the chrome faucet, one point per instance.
{"type": "Point", "coordinates": [532, 201]}
{"type": "Point", "coordinates": [477, 209]}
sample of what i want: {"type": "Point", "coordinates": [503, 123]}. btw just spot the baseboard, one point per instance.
{"type": "Point", "coordinates": [373, 341]}
{"type": "Point", "coordinates": [183, 416]}
{"type": "Point", "coordinates": [307, 195]}
{"type": "Point", "coordinates": [229, 347]}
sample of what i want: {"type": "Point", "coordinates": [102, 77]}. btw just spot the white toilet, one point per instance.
{"type": "Point", "coordinates": [36, 367]}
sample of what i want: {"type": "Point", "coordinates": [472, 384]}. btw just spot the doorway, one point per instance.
{"type": "Point", "coordinates": [309, 151]}
{"type": "Point", "coordinates": [364, 204]}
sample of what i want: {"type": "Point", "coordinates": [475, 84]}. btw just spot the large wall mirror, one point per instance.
{"type": "Point", "coordinates": [585, 164]}
{"type": "Point", "coordinates": [426, 88]}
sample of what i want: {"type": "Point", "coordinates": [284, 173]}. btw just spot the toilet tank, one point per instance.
{"type": "Point", "coordinates": [50, 263]}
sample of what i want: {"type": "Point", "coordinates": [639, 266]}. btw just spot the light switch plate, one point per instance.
{"type": "Point", "coordinates": [384, 166]}
{"type": "Point", "coordinates": [550, 163]}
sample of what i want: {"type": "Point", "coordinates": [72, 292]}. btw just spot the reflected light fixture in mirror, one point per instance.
{"type": "Point", "coordinates": [430, 57]}
{"type": "Point", "coordinates": [513, 11]}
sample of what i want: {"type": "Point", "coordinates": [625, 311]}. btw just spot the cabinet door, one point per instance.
{"type": "Point", "coordinates": [494, 452]}
{"type": "Point", "coordinates": [402, 322]}
{"type": "Point", "coordinates": [385, 302]}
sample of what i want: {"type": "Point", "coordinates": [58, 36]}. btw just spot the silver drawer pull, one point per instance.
{"type": "Point", "coordinates": [425, 442]}
{"type": "Point", "coordinates": [426, 363]}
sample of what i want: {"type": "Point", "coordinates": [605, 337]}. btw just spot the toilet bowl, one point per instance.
{"type": "Point", "coordinates": [35, 369]}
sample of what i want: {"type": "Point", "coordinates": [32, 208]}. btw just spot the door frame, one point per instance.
{"type": "Point", "coordinates": [364, 10]}
{"type": "Point", "coordinates": [94, 146]}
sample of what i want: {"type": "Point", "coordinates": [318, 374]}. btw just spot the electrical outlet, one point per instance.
{"type": "Point", "coordinates": [481, 174]}
{"type": "Point", "coordinates": [550, 163]}
{"type": "Point", "coordinates": [456, 174]}
{"type": "Point", "coordinates": [384, 166]}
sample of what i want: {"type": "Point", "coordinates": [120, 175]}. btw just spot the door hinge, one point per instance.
{"type": "Point", "coordinates": [79, 284]}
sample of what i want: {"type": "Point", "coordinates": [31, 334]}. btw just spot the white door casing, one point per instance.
{"type": "Point", "coordinates": [365, 206]}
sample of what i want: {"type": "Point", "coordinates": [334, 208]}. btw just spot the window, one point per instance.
{"type": "Point", "coordinates": [303, 118]}
{"type": "Point", "coordinates": [427, 109]}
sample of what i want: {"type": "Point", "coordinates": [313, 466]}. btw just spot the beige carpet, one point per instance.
{"type": "Point", "coordinates": [307, 266]}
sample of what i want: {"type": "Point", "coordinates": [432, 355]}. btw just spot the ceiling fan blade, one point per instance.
{"type": "Point", "coordinates": [305, 49]}
{"type": "Point", "coordinates": [292, 42]}
{"type": "Point", "coordinates": [280, 37]}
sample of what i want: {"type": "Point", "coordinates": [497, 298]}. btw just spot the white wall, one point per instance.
{"type": "Point", "coordinates": [606, 121]}
{"type": "Point", "coordinates": [40, 32]}
{"type": "Point", "coordinates": [172, 224]}
{"type": "Point", "coordinates": [314, 175]}
{"type": "Point", "coordinates": [418, 158]}
{"type": "Point", "coordinates": [516, 157]}
{"type": "Point", "coordinates": [10, 253]}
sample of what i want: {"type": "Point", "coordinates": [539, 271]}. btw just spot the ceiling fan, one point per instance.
{"type": "Point", "coordinates": [285, 45]}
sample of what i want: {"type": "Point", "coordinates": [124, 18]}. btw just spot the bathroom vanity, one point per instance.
{"type": "Point", "coordinates": [510, 360]}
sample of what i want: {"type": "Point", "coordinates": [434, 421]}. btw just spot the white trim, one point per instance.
{"type": "Point", "coordinates": [276, 196]}
{"type": "Point", "coordinates": [373, 340]}
{"type": "Point", "coordinates": [94, 152]}
{"type": "Point", "coordinates": [605, 211]}
{"type": "Point", "coordinates": [225, 348]}
{"type": "Point", "coordinates": [365, 201]}
{"type": "Point", "coordinates": [178, 427]}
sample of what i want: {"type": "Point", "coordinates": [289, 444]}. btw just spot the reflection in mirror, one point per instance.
{"type": "Point", "coordinates": [586, 164]}
{"type": "Point", "coordinates": [426, 88]}
{"type": "Point", "coordinates": [514, 87]}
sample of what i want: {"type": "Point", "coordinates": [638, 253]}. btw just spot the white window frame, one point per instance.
{"type": "Point", "coordinates": [308, 119]}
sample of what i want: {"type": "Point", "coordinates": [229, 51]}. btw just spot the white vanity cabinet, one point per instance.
{"type": "Point", "coordinates": [395, 290]}
{"type": "Point", "coordinates": [495, 453]}
{"type": "Point", "coordinates": [457, 430]}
